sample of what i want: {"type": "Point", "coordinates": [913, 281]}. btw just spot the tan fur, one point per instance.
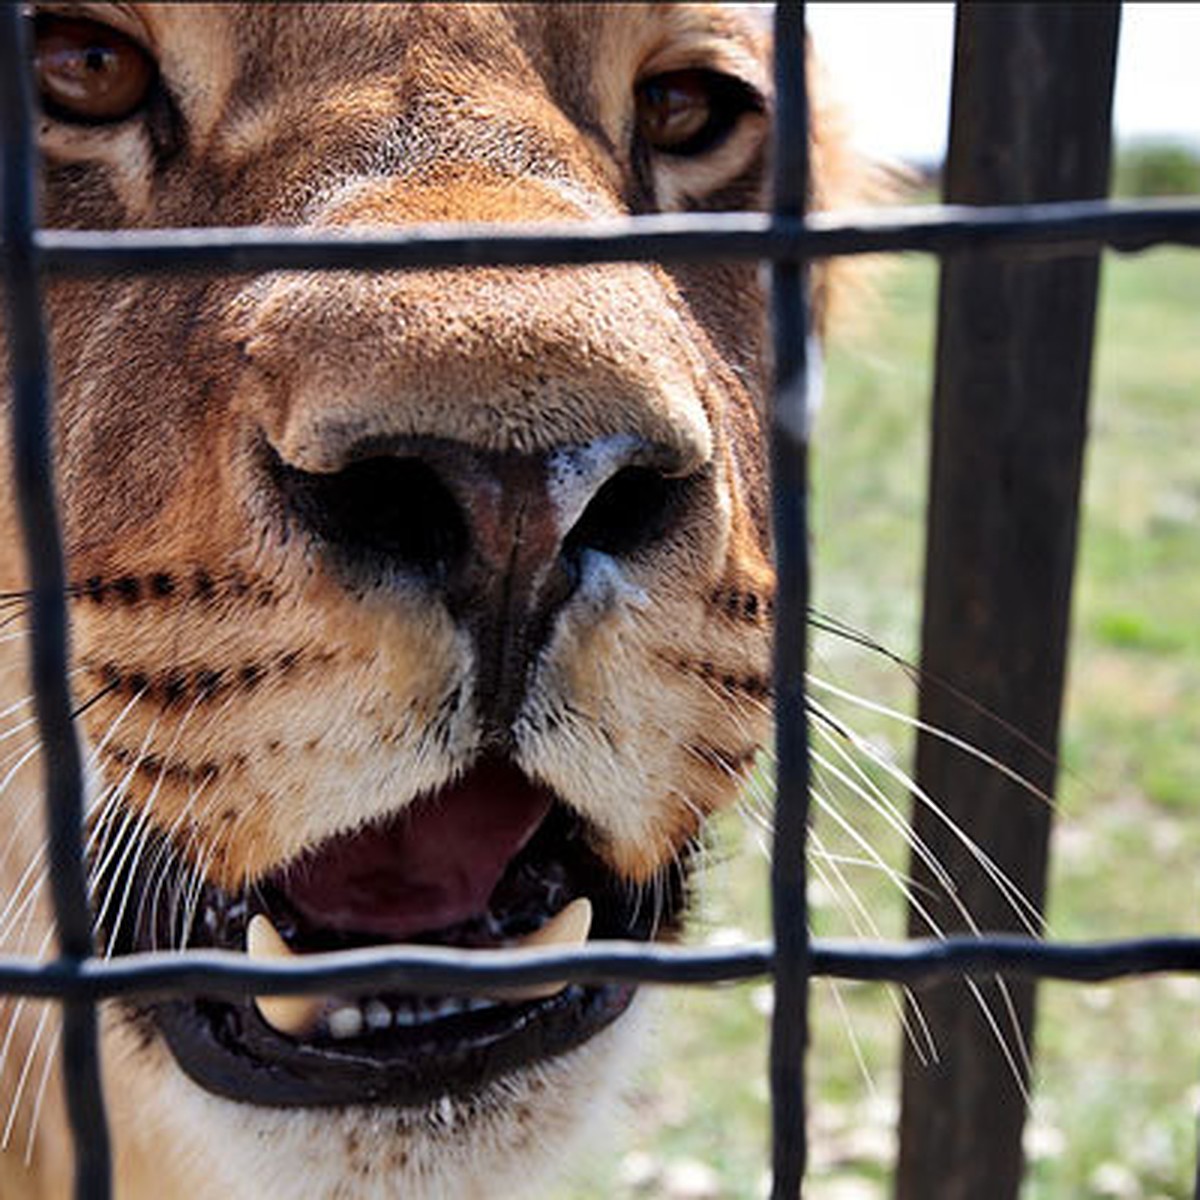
{"type": "Point", "coordinates": [254, 704]}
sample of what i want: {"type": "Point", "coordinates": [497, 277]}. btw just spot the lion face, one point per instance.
{"type": "Point", "coordinates": [410, 607]}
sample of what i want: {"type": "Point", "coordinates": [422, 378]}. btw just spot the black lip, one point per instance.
{"type": "Point", "coordinates": [229, 1050]}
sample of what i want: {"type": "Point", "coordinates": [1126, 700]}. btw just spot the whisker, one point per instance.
{"type": "Point", "coordinates": [29, 811]}
{"type": "Point", "coordinates": [923, 678]}
{"type": "Point", "coordinates": [1026, 912]}
{"type": "Point", "coordinates": [18, 1009]}
{"type": "Point", "coordinates": [870, 925]}
{"type": "Point", "coordinates": [159, 877]}
{"type": "Point", "coordinates": [855, 1045]}
{"type": "Point", "coordinates": [26, 1067]}
{"type": "Point", "coordinates": [19, 615]}
{"type": "Point", "coordinates": [862, 786]}
{"type": "Point", "coordinates": [35, 1116]}
{"type": "Point", "coordinates": [196, 889]}
{"type": "Point", "coordinates": [125, 840]}
{"type": "Point", "coordinates": [921, 909]}
{"type": "Point", "coordinates": [942, 735]}
{"type": "Point", "coordinates": [24, 702]}
{"type": "Point", "coordinates": [141, 833]}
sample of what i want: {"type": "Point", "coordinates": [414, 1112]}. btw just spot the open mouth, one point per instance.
{"type": "Point", "coordinates": [491, 861]}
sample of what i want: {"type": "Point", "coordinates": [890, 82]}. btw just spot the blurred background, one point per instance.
{"type": "Point", "coordinates": [890, 67]}
{"type": "Point", "coordinates": [1117, 1071]}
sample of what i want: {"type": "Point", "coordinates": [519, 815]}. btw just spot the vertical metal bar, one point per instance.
{"type": "Point", "coordinates": [37, 510]}
{"type": "Point", "coordinates": [789, 470]}
{"type": "Point", "coordinates": [1030, 121]}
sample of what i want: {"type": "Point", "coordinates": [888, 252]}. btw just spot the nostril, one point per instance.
{"type": "Point", "coordinates": [632, 510]}
{"type": "Point", "coordinates": [393, 511]}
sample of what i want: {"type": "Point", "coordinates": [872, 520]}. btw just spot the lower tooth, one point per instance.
{"type": "Point", "coordinates": [297, 1016]}
{"type": "Point", "coordinates": [378, 1015]}
{"type": "Point", "coordinates": [345, 1023]}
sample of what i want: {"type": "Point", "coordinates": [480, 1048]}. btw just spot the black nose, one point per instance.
{"type": "Point", "coordinates": [503, 537]}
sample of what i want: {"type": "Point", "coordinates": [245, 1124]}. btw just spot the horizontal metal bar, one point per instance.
{"type": "Point", "coordinates": [441, 969]}
{"type": "Point", "coordinates": [1043, 230]}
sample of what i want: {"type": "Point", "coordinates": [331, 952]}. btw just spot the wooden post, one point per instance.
{"type": "Point", "coordinates": [1030, 121]}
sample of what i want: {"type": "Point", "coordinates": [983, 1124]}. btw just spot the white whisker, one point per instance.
{"type": "Point", "coordinates": [919, 907]}
{"type": "Point", "coordinates": [855, 1045]}
{"type": "Point", "coordinates": [1026, 911]}
{"type": "Point", "coordinates": [141, 833]}
{"type": "Point", "coordinates": [26, 1067]}
{"type": "Point", "coordinates": [869, 925]}
{"type": "Point", "coordinates": [35, 1116]}
{"type": "Point", "coordinates": [942, 735]}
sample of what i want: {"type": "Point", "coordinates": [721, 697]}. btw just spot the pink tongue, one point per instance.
{"type": "Point", "coordinates": [433, 865]}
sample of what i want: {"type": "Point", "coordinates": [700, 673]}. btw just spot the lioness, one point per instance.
{"type": "Point", "coordinates": [417, 607]}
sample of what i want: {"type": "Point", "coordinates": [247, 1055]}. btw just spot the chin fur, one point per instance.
{"type": "Point", "coordinates": [517, 1135]}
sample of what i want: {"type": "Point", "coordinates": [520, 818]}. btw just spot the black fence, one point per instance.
{"type": "Point", "coordinates": [785, 237]}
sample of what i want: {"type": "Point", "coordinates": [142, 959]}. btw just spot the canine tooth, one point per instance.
{"type": "Point", "coordinates": [345, 1022]}
{"type": "Point", "coordinates": [294, 1016]}
{"type": "Point", "coordinates": [570, 927]}
{"type": "Point", "coordinates": [567, 928]}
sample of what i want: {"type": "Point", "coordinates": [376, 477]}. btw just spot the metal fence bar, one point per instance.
{"type": "Point", "coordinates": [784, 236]}
{"type": "Point", "coordinates": [38, 514]}
{"type": "Point", "coordinates": [438, 969]}
{"type": "Point", "coordinates": [789, 423]}
{"type": "Point", "coordinates": [1042, 230]}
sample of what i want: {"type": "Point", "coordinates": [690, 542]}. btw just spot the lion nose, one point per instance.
{"type": "Point", "coordinates": [504, 537]}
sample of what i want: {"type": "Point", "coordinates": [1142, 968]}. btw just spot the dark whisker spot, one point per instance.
{"type": "Point", "coordinates": [203, 584]}
{"type": "Point", "coordinates": [128, 588]}
{"type": "Point", "coordinates": [208, 683]}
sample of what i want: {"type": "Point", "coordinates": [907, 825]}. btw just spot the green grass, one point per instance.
{"type": "Point", "coordinates": [1118, 1067]}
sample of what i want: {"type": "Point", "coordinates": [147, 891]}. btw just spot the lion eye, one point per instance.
{"type": "Point", "coordinates": [89, 73]}
{"type": "Point", "coordinates": [689, 112]}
